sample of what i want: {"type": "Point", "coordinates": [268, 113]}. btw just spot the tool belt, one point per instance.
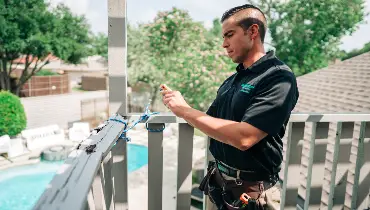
{"type": "Point", "coordinates": [225, 194]}
{"type": "Point", "coordinates": [250, 176]}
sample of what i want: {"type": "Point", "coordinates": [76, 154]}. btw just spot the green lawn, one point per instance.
{"type": "Point", "coordinates": [77, 89]}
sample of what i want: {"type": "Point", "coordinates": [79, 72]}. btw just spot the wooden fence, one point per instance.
{"type": "Point", "coordinates": [46, 85]}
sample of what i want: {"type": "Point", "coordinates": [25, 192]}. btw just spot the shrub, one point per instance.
{"type": "Point", "coordinates": [45, 72]}
{"type": "Point", "coordinates": [12, 116]}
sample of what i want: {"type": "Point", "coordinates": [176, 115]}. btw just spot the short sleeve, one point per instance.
{"type": "Point", "coordinates": [273, 102]}
{"type": "Point", "coordinates": [212, 109]}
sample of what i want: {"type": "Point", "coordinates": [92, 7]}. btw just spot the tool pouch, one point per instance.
{"type": "Point", "coordinates": [254, 205]}
{"type": "Point", "coordinates": [203, 186]}
{"type": "Point", "coordinates": [223, 197]}
{"type": "Point", "coordinates": [209, 186]}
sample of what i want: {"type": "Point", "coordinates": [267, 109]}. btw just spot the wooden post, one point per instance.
{"type": "Point", "coordinates": [308, 149]}
{"type": "Point", "coordinates": [120, 174]}
{"type": "Point", "coordinates": [118, 92]}
{"type": "Point", "coordinates": [356, 159]}
{"type": "Point", "coordinates": [117, 57]}
{"type": "Point", "coordinates": [184, 167]}
{"type": "Point", "coordinates": [107, 180]}
{"type": "Point", "coordinates": [98, 191]}
{"type": "Point", "coordinates": [285, 166]}
{"type": "Point", "coordinates": [331, 162]}
{"type": "Point", "coordinates": [29, 88]}
{"type": "Point", "coordinates": [155, 167]}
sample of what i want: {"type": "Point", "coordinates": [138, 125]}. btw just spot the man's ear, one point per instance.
{"type": "Point", "coordinates": [254, 31]}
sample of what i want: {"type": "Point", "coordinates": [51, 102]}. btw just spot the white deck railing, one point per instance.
{"type": "Point", "coordinates": [333, 143]}
{"type": "Point", "coordinates": [90, 180]}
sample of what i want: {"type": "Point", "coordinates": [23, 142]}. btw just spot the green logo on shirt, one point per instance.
{"type": "Point", "coordinates": [246, 88]}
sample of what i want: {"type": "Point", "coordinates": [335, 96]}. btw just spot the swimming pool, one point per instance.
{"type": "Point", "coordinates": [21, 187]}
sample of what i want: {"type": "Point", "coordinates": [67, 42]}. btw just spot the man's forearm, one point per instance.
{"type": "Point", "coordinates": [226, 131]}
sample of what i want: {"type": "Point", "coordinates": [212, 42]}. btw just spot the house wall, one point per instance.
{"type": "Point", "coordinates": [57, 109]}
{"type": "Point", "coordinates": [75, 76]}
{"type": "Point", "coordinates": [92, 82]}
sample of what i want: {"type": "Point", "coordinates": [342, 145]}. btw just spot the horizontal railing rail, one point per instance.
{"type": "Point", "coordinates": [95, 174]}
{"type": "Point", "coordinates": [71, 186]}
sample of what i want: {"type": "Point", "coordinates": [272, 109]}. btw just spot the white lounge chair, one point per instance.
{"type": "Point", "coordinates": [79, 131]}
{"type": "Point", "coordinates": [42, 137]}
{"type": "Point", "coordinates": [4, 144]}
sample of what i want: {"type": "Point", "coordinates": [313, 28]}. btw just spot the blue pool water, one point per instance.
{"type": "Point", "coordinates": [20, 187]}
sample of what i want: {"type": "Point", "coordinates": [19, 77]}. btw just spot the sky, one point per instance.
{"type": "Point", "coordinates": [200, 10]}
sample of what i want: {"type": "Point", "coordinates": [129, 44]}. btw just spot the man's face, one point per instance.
{"type": "Point", "coordinates": [237, 41]}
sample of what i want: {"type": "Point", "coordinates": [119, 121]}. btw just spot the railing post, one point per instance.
{"type": "Point", "coordinates": [90, 201]}
{"type": "Point", "coordinates": [117, 48]}
{"type": "Point", "coordinates": [356, 159]}
{"type": "Point", "coordinates": [286, 150]}
{"type": "Point", "coordinates": [120, 175]}
{"type": "Point", "coordinates": [308, 149]}
{"type": "Point", "coordinates": [208, 157]}
{"type": "Point", "coordinates": [368, 200]}
{"type": "Point", "coordinates": [117, 65]}
{"type": "Point", "coordinates": [184, 166]}
{"type": "Point", "coordinates": [331, 161]}
{"type": "Point", "coordinates": [155, 167]}
{"type": "Point", "coordinates": [98, 191]}
{"type": "Point", "coordinates": [108, 184]}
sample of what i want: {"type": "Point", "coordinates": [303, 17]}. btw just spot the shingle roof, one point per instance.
{"type": "Point", "coordinates": [341, 87]}
{"type": "Point", "coordinates": [22, 59]}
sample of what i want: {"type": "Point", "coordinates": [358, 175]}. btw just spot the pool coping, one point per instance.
{"type": "Point", "coordinates": [19, 163]}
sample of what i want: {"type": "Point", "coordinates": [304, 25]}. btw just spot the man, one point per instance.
{"type": "Point", "coordinates": [246, 122]}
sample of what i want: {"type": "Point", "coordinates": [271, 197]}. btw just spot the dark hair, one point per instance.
{"type": "Point", "coordinates": [247, 22]}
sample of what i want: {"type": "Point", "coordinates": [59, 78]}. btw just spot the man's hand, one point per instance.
{"type": "Point", "coordinates": [175, 102]}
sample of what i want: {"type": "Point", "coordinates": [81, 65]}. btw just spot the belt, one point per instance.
{"type": "Point", "coordinates": [245, 175]}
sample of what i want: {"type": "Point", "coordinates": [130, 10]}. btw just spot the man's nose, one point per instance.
{"type": "Point", "coordinates": [225, 44]}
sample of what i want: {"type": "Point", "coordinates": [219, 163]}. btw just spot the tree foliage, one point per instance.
{"type": "Point", "coordinates": [30, 29]}
{"type": "Point", "coordinates": [356, 52]}
{"type": "Point", "coordinates": [99, 45]}
{"type": "Point", "coordinates": [177, 51]}
{"type": "Point", "coordinates": [306, 34]}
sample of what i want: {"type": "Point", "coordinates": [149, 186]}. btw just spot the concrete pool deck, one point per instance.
{"type": "Point", "coordinates": [29, 156]}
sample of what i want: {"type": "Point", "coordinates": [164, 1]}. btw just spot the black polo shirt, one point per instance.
{"type": "Point", "coordinates": [262, 95]}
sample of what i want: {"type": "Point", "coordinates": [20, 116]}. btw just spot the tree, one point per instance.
{"type": "Point", "coordinates": [30, 30]}
{"type": "Point", "coordinates": [176, 50]}
{"type": "Point", "coordinates": [99, 45]}
{"type": "Point", "coordinates": [216, 29]}
{"type": "Point", "coordinates": [356, 52]}
{"type": "Point", "coordinates": [306, 34]}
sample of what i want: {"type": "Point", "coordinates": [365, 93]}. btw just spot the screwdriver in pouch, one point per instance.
{"type": "Point", "coordinates": [243, 200]}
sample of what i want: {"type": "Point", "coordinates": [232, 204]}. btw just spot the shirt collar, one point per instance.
{"type": "Point", "coordinates": [254, 67]}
